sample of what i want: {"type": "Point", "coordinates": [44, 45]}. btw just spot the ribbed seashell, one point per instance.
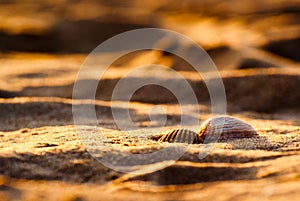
{"type": "Point", "coordinates": [225, 127]}
{"type": "Point", "coordinates": [182, 136]}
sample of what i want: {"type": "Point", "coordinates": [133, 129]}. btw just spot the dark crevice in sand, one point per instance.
{"type": "Point", "coordinates": [69, 166]}
{"type": "Point", "coordinates": [20, 115]}
{"type": "Point", "coordinates": [224, 158]}
{"type": "Point", "coordinates": [286, 48]}
{"type": "Point", "coordinates": [42, 74]}
{"type": "Point", "coordinates": [8, 94]}
{"type": "Point", "coordinates": [254, 63]}
{"type": "Point", "coordinates": [261, 93]}
{"type": "Point", "coordinates": [38, 114]}
{"type": "Point", "coordinates": [77, 166]}
{"type": "Point", "coordinates": [67, 36]}
{"type": "Point", "coordinates": [191, 175]}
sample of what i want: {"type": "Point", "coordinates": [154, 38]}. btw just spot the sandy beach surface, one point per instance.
{"type": "Point", "coordinates": [255, 46]}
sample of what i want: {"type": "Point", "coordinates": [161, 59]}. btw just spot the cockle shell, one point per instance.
{"type": "Point", "coordinates": [219, 127]}
{"type": "Point", "coordinates": [226, 127]}
{"type": "Point", "coordinates": [182, 136]}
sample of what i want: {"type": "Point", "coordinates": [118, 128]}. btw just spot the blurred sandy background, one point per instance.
{"type": "Point", "coordinates": [255, 45]}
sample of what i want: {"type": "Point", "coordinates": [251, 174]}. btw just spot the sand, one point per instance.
{"type": "Point", "coordinates": [42, 154]}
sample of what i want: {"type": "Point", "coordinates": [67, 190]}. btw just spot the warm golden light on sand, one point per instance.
{"type": "Point", "coordinates": [46, 155]}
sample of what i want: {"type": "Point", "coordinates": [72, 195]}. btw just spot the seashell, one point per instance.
{"type": "Point", "coordinates": [225, 127]}
{"type": "Point", "coordinates": [182, 136]}
{"type": "Point", "coordinates": [219, 127]}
